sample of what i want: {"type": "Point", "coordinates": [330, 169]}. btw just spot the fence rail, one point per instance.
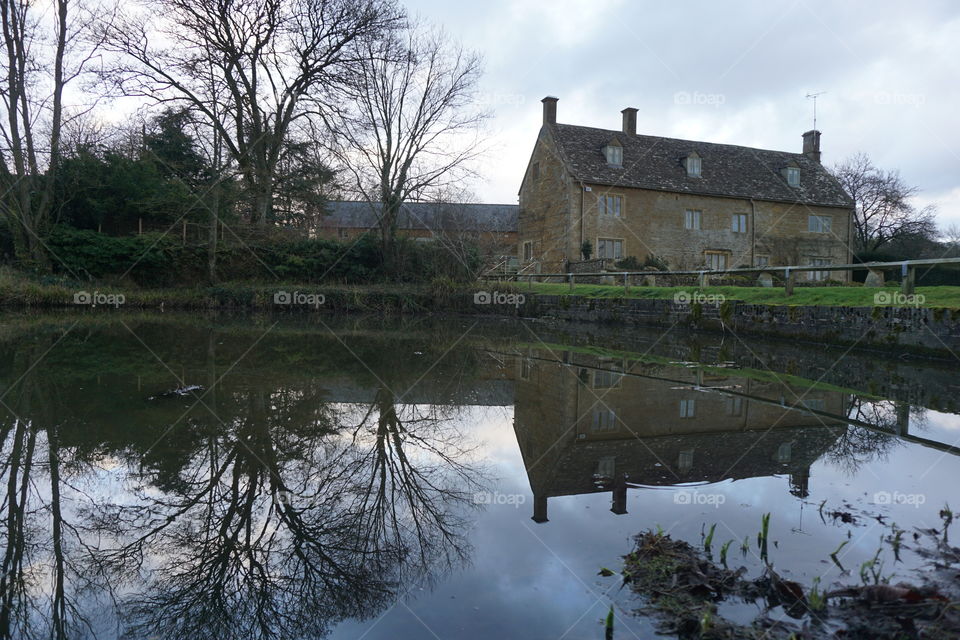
{"type": "Point", "coordinates": [907, 271]}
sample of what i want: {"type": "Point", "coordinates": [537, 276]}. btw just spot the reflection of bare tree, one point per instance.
{"type": "Point", "coordinates": [410, 482]}
{"type": "Point", "coordinates": [267, 535]}
{"type": "Point", "coordinates": [41, 577]}
{"type": "Point", "coordinates": [858, 445]}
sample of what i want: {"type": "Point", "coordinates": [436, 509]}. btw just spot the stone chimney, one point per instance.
{"type": "Point", "coordinates": [629, 121]}
{"type": "Point", "coordinates": [549, 110]}
{"type": "Point", "coordinates": [811, 145]}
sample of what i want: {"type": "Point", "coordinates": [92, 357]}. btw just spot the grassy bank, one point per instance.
{"type": "Point", "coordinates": [18, 291]}
{"type": "Point", "coordinates": [945, 297]}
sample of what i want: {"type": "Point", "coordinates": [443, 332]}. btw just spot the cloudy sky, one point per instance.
{"type": "Point", "coordinates": [734, 72]}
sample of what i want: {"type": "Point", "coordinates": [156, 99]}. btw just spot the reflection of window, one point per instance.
{"type": "Point", "coordinates": [685, 461]}
{"type": "Point", "coordinates": [734, 406]}
{"type": "Point", "coordinates": [688, 408]}
{"type": "Point", "coordinates": [606, 379]}
{"type": "Point", "coordinates": [692, 219]}
{"type": "Point", "coordinates": [607, 466]}
{"type": "Point", "coordinates": [525, 368]}
{"type": "Point", "coordinates": [609, 248]}
{"type": "Point", "coordinates": [762, 261]}
{"type": "Point", "coordinates": [815, 404]}
{"type": "Point", "coordinates": [604, 420]}
{"type": "Point", "coordinates": [784, 452]}
{"type": "Point", "coordinates": [610, 205]}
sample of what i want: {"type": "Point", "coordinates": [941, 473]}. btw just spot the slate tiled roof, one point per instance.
{"type": "Point", "coordinates": [652, 162]}
{"type": "Point", "coordinates": [431, 216]}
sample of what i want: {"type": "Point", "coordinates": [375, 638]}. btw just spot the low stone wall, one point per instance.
{"type": "Point", "coordinates": [907, 329]}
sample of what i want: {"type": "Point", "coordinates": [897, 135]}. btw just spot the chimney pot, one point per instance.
{"type": "Point", "coordinates": [629, 121]}
{"type": "Point", "coordinates": [549, 110]}
{"type": "Point", "coordinates": [811, 145]}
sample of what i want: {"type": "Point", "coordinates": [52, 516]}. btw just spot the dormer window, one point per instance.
{"type": "Point", "coordinates": [692, 164]}
{"type": "Point", "coordinates": [614, 153]}
{"type": "Point", "coordinates": [792, 175]}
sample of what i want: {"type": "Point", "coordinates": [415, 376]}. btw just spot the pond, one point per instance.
{"type": "Point", "coordinates": [192, 476]}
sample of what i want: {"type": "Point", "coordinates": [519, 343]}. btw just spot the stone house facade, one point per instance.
{"type": "Point", "coordinates": [691, 204]}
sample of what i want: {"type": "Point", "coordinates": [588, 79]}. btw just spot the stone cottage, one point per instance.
{"type": "Point", "coordinates": [690, 204]}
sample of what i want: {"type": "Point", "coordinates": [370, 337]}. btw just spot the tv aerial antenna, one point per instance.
{"type": "Point", "coordinates": [815, 96]}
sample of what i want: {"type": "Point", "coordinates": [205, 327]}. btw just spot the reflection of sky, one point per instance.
{"type": "Point", "coordinates": [540, 580]}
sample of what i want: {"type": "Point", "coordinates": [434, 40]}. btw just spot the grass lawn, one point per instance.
{"type": "Point", "coordinates": [945, 297]}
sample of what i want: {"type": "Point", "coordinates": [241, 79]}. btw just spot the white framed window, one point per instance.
{"type": "Point", "coordinates": [610, 205]}
{"type": "Point", "coordinates": [692, 219]}
{"type": "Point", "coordinates": [527, 250]}
{"type": "Point", "coordinates": [715, 260]}
{"type": "Point", "coordinates": [688, 408]}
{"type": "Point", "coordinates": [761, 261]}
{"type": "Point", "coordinates": [819, 275]}
{"type": "Point", "coordinates": [603, 419]}
{"type": "Point", "coordinates": [739, 223]}
{"type": "Point", "coordinates": [609, 248]}
{"type": "Point", "coordinates": [614, 154]}
{"type": "Point", "coordinates": [819, 224]}
{"type": "Point", "coordinates": [693, 166]}
{"type": "Point", "coordinates": [685, 460]}
{"type": "Point", "coordinates": [793, 176]}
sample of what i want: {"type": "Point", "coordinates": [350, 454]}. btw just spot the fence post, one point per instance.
{"type": "Point", "coordinates": [626, 283]}
{"type": "Point", "coordinates": [704, 279]}
{"type": "Point", "coordinates": [908, 276]}
{"type": "Point", "coordinates": [570, 280]}
{"type": "Point", "coordinates": [530, 282]}
{"type": "Point", "coordinates": [791, 278]}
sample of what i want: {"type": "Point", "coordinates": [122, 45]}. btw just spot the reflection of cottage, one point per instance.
{"type": "Point", "coordinates": [492, 226]}
{"type": "Point", "coordinates": [693, 204]}
{"type": "Point", "coordinates": [658, 426]}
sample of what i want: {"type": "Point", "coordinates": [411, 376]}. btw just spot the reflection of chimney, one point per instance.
{"type": "Point", "coordinates": [811, 145]}
{"type": "Point", "coordinates": [800, 483]}
{"type": "Point", "coordinates": [619, 496]}
{"type": "Point", "coordinates": [549, 110]}
{"type": "Point", "coordinates": [539, 508]}
{"type": "Point", "coordinates": [629, 121]}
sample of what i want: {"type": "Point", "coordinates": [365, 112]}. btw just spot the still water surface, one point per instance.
{"type": "Point", "coordinates": [355, 478]}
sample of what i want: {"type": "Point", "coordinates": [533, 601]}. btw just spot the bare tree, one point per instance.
{"type": "Point", "coordinates": [252, 67]}
{"type": "Point", "coordinates": [883, 210]}
{"type": "Point", "coordinates": [410, 127]}
{"type": "Point", "coordinates": [35, 73]}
